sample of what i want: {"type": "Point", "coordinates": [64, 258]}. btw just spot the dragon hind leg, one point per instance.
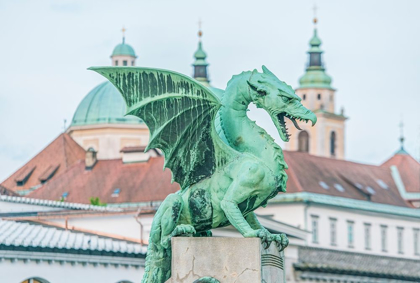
{"type": "Point", "coordinates": [164, 227]}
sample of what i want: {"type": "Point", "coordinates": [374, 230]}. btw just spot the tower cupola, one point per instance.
{"type": "Point", "coordinates": [315, 76]}
{"type": "Point", "coordinates": [123, 54]}
{"type": "Point", "coordinates": [200, 64]}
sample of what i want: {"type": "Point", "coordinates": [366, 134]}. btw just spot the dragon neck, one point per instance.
{"type": "Point", "coordinates": [242, 133]}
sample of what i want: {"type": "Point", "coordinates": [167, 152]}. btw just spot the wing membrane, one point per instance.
{"type": "Point", "coordinates": [180, 114]}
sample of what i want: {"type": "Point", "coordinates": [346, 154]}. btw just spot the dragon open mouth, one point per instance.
{"type": "Point", "coordinates": [283, 129]}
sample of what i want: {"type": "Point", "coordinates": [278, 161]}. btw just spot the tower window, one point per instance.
{"type": "Point", "coordinates": [132, 63]}
{"type": "Point", "coordinates": [304, 97]}
{"type": "Point", "coordinates": [200, 72]}
{"type": "Point", "coordinates": [319, 96]}
{"type": "Point", "coordinates": [303, 141]}
{"type": "Point", "coordinates": [331, 97]}
{"type": "Point", "coordinates": [125, 63]}
{"type": "Point", "coordinates": [116, 62]}
{"type": "Point", "coordinates": [332, 143]}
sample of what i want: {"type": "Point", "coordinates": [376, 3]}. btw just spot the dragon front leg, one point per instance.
{"type": "Point", "coordinates": [247, 183]}
{"type": "Point", "coordinates": [280, 240]}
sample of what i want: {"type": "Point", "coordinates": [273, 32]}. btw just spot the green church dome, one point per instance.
{"type": "Point", "coordinates": [123, 49]}
{"type": "Point", "coordinates": [102, 105]}
{"type": "Point", "coordinates": [316, 78]}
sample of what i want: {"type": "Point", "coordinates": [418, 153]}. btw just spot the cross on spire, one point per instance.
{"type": "Point", "coordinates": [315, 8]}
{"type": "Point", "coordinates": [200, 33]}
{"type": "Point", "coordinates": [123, 30]}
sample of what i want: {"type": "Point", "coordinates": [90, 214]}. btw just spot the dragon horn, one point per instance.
{"type": "Point", "coordinates": [267, 71]}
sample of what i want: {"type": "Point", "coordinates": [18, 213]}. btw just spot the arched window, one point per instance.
{"type": "Point", "coordinates": [303, 141]}
{"type": "Point", "coordinates": [332, 143]}
{"type": "Point", "coordinates": [304, 97]}
{"type": "Point", "coordinates": [319, 96]}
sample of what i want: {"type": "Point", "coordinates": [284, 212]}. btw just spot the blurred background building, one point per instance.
{"type": "Point", "coordinates": [85, 203]}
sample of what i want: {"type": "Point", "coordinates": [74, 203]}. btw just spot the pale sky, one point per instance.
{"type": "Point", "coordinates": [372, 52]}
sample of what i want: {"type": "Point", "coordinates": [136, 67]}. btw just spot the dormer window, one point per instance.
{"type": "Point", "coordinates": [116, 193]}
{"type": "Point", "coordinates": [64, 196]}
{"type": "Point", "coordinates": [23, 177]}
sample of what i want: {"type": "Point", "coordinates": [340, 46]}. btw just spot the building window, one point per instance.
{"type": "Point", "coordinates": [416, 238]}
{"type": "Point", "coordinates": [116, 62]}
{"type": "Point", "coordinates": [333, 231]}
{"type": "Point", "coordinates": [332, 143]}
{"type": "Point", "coordinates": [315, 229]}
{"type": "Point", "coordinates": [125, 63]}
{"type": "Point", "coordinates": [367, 236]}
{"type": "Point", "coordinates": [132, 63]}
{"type": "Point", "coordinates": [331, 97]}
{"type": "Point", "coordinates": [400, 235]}
{"type": "Point", "coordinates": [319, 96]}
{"type": "Point", "coordinates": [384, 238]}
{"type": "Point", "coordinates": [303, 141]}
{"type": "Point", "coordinates": [304, 97]}
{"type": "Point", "coordinates": [350, 234]}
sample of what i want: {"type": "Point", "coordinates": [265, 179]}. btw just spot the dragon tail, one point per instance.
{"type": "Point", "coordinates": [158, 258]}
{"type": "Point", "coordinates": [157, 268]}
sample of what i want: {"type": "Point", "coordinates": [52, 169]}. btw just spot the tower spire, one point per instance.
{"type": "Point", "coordinates": [200, 64]}
{"type": "Point", "coordinates": [123, 30]}
{"type": "Point", "coordinates": [402, 135]}
{"type": "Point", "coordinates": [315, 76]}
{"type": "Point", "coordinates": [401, 139]}
{"type": "Point", "coordinates": [315, 8]}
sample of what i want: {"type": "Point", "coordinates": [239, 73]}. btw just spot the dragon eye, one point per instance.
{"type": "Point", "coordinates": [262, 92]}
{"type": "Point", "coordinates": [285, 99]}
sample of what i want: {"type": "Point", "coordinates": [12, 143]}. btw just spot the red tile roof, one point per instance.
{"type": "Point", "coordinates": [144, 182]}
{"type": "Point", "coordinates": [62, 152]}
{"type": "Point", "coordinates": [62, 165]}
{"type": "Point", "coordinates": [343, 178]}
{"type": "Point", "coordinates": [137, 182]}
{"type": "Point", "coordinates": [409, 170]}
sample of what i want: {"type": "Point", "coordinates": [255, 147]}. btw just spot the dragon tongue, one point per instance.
{"type": "Point", "coordinates": [295, 123]}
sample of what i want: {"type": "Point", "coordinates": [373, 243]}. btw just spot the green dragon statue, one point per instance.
{"type": "Point", "coordinates": [226, 165]}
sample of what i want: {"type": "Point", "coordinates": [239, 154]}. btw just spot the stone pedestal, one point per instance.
{"type": "Point", "coordinates": [239, 260]}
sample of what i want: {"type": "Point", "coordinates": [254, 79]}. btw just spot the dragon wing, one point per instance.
{"type": "Point", "coordinates": [180, 114]}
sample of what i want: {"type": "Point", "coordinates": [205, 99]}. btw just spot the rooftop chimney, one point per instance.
{"type": "Point", "coordinates": [90, 159]}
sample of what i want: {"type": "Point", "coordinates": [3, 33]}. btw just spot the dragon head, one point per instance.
{"type": "Point", "coordinates": [279, 100]}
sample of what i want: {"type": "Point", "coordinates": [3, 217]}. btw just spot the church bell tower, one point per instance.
{"type": "Point", "coordinates": [327, 137]}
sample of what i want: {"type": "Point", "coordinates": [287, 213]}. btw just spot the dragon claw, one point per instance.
{"type": "Point", "coordinates": [183, 230]}
{"type": "Point", "coordinates": [281, 241]}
